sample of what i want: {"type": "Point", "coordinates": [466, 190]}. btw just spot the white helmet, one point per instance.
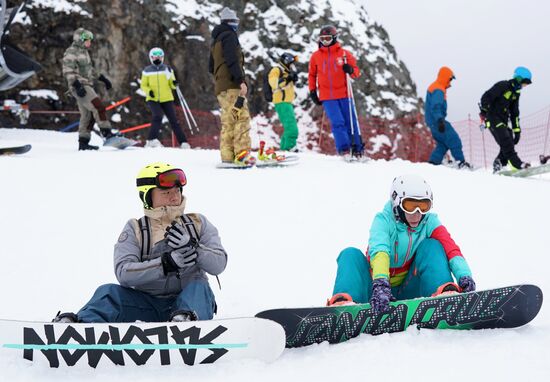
{"type": "Point", "coordinates": [409, 186]}
{"type": "Point", "coordinates": [156, 53]}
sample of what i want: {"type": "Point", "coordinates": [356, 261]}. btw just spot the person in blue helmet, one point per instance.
{"type": "Point", "coordinates": [435, 112]}
{"type": "Point", "coordinates": [499, 105]}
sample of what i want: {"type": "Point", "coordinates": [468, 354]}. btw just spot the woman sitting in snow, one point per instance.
{"type": "Point", "coordinates": [410, 254]}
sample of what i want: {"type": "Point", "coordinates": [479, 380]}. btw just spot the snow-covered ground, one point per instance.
{"type": "Point", "coordinates": [62, 211]}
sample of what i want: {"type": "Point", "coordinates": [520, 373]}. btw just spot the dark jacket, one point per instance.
{"type": "Point", "coordinates": [226, 59]}
{"type": "Point", "coordinates": [501, 103]}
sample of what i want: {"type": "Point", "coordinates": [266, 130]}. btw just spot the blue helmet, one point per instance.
{"type": "Point", "coordinates": [523, 75]}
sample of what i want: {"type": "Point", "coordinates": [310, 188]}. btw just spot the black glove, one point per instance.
{"type": "Point", "coordinates": [237, 108]}
{"type": "Point", "coordinates": [178, 259]}
{"type": "Point", "coordinates": [293, 76]}
{"type": "Point", "coordinates": [178, 237]}
{"type": "Point", "coordinates": [105, 80]}
{"type": "Point", "coordinates": [151, 94]}
{"type": "Point", "coordinates": [441, 125]}
{"type": "Point", "coordinates": [80, 91]}
{"type": "Point", "coordinates": [347, 68]}
{"type": "Point", "coordinates": [516, 137]}
{"type": "Point", "coordinates": [175, 82]}
{"type": "Point", "coordinates": [314, 97]}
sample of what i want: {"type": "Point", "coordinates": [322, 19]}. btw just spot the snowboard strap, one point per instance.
{"type": "Point", "coordinates": [145, 230]}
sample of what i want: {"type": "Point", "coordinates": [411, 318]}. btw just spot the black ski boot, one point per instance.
{"type": "Point", "coordinates": [464, 165]}
{"type": "Point", "coordinates": [84, 144]}
{"type": "Point", "coordinates": [65, 318]}
{"type": "Point", "coordinates": [497, 166]}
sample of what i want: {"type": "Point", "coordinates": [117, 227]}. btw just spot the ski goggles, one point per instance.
{"type": "Point", "coordinates": [326, 39]}
{"type": "Point", "coordinates": [84, 36]}
{"type": "Point", "coordinates": [411, 205]}
{"type": "Point", "coordinates": [167, 179]}
{"type": "Point", "coordinates": [157, 54]}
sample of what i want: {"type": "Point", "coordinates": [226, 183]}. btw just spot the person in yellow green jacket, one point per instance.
{"type": "Point", "coordinates": [157, 82]}
{"type": "Point", "coordinates": [282, 79]}
{"type": "Point", "coordinates": [410, 254]}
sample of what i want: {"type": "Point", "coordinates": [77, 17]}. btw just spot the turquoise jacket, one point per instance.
{"type": "Point", "coordinates": [400, 242]}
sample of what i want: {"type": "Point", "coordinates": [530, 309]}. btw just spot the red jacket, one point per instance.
{"type": "Point", "coordinates": [326, 73]}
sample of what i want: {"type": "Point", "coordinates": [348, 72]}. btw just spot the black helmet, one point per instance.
{"type": "Point", "coordinates": [328, 35]}
{"type": "Point", "coordinates": [287, 59]}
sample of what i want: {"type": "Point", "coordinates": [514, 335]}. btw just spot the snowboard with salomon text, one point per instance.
{"type": "Point", "coordinates": [141, 343]}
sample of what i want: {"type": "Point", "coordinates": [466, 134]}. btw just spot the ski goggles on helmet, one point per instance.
{"type": "Point", "coordinates": [86, 35]}
{"type": "Point", "coordinates": [326, 39]}
{"type": "Point", "coordinates": [167, 179]}
{"type": "Point", "coordinates": [411, 205]}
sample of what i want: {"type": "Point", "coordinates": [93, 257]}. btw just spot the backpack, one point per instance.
{"type": "Point", "coordinates": [268, 92]}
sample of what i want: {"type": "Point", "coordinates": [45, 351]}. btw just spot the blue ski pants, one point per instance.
{"type": "Point", "coordinates": [448, 140]}
{"type": "Point", "coordinates": [429, 270]}
{"type": "Point", "coordinates": [115, 303]}
{"type": "Point", "coordinates": [338, 112]}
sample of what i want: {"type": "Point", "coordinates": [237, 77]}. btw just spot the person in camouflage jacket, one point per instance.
{"type": "Point", "coordinates": [79, 72]}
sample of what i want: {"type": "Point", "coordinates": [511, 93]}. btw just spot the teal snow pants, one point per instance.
{"type": "Point", "coordinates": [429, 270]}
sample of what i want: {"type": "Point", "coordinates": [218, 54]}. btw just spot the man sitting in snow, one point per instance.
{"type": "Point", "coordinates": [410, 254]}
{"type": "Point", "coordinates": [161, 259]}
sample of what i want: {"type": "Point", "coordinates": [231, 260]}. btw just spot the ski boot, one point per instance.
{"type": "Point", "coordinates": [65, 318]}
{"type": "Point", "coordinates": [84, 144]}
{"type": "Point", "coordinates": [544, 158]}
{"type": "Point", "coordinates": [183, 316]}
{"type": "Point", "coordinates": [463, 165]}
{"type": "Point", "coordinates": [244, 158]}
{"type": "Point", "coordinates": [340, 299]}
{"type": "Point", "coordinates": [152, 143]}
{"type": "Point", "coordinates": [497, 166]}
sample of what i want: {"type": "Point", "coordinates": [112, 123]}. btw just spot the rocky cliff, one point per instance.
{"type": "Point", "coordinates": [125, 30]}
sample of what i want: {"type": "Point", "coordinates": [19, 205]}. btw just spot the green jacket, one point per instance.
{"type": "Point", "coordinates": [226, 59]}
{"type": "Point", "coordinates": [160, 79]}
{"type": "Point", "coordinates": [77, 64]}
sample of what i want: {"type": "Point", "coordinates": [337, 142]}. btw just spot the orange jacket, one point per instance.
{"type": "Point", "coordinates": [326, 73]}
{"type": "Point", "coordinates": [443, 81]}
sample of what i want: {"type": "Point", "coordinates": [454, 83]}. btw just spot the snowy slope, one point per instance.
{"type": "Point", "coordinates": [283, 228]}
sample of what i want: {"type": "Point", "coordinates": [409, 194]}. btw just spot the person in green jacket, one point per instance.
{"type": "Point", "coordinates": [282, 79]}
{"type": "Point", "coordinates": [157, 82]}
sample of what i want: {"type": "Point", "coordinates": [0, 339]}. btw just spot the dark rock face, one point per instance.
{"type": "Point", "coordinates": [125, 30]}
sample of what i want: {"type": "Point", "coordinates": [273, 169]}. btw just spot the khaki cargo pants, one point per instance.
{"type": "Point", "coordinates": [91, 110]}
{"type": "Point", "coordinates": [235, 134]}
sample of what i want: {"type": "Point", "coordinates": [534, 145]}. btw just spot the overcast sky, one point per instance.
{"type": "Point", "coordinates": [483, 41]}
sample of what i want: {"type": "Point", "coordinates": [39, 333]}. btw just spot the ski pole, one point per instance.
{"type": "Point", "coordinates": [352, 109]}
{"type": "Point", "coordinates": [184, 108]}
{"type": "Point", "coordinates": [189, 111]}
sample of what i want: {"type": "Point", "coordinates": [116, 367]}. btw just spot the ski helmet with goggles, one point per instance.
{"type": "Point", "coordinates": [409, 194]}
{"type": "Point", "coordinates": [523, 75]}
{"type": "Point", "coordinates": [158, 175]}
{"type": "Point", "coordinates": [156, 55]}
{"type": "Point", "coordinates": [287, 59]}
{"type": "Point", "coordinates": [328, 35]}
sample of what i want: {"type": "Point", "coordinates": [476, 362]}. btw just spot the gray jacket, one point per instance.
{"type": "Point", "coordinates": [147, 274]}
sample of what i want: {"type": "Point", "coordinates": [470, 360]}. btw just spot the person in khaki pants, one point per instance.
{"type": "Point", "coordinates": [79, 72]}
{"type": "Point", "coordinates": [226, 64]}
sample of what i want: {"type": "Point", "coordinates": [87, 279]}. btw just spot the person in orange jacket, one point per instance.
{"type": "Point", "coordinates": [329, 68]}
{"type": "Point", "coordinates": [435, 112]}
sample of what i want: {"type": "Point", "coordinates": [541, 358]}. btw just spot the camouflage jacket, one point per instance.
{"type": "Point", "coordinates": [77, 64]}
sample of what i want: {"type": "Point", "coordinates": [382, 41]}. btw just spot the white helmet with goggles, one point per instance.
{"type": "Point", "coordinates": [409, 194]}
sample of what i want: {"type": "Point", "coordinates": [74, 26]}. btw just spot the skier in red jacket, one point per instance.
{"type": "Point", "coordinates": [329, 68]}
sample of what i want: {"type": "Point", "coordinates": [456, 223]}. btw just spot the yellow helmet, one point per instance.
{"type": "Point", "coordinates": [158, 175]}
